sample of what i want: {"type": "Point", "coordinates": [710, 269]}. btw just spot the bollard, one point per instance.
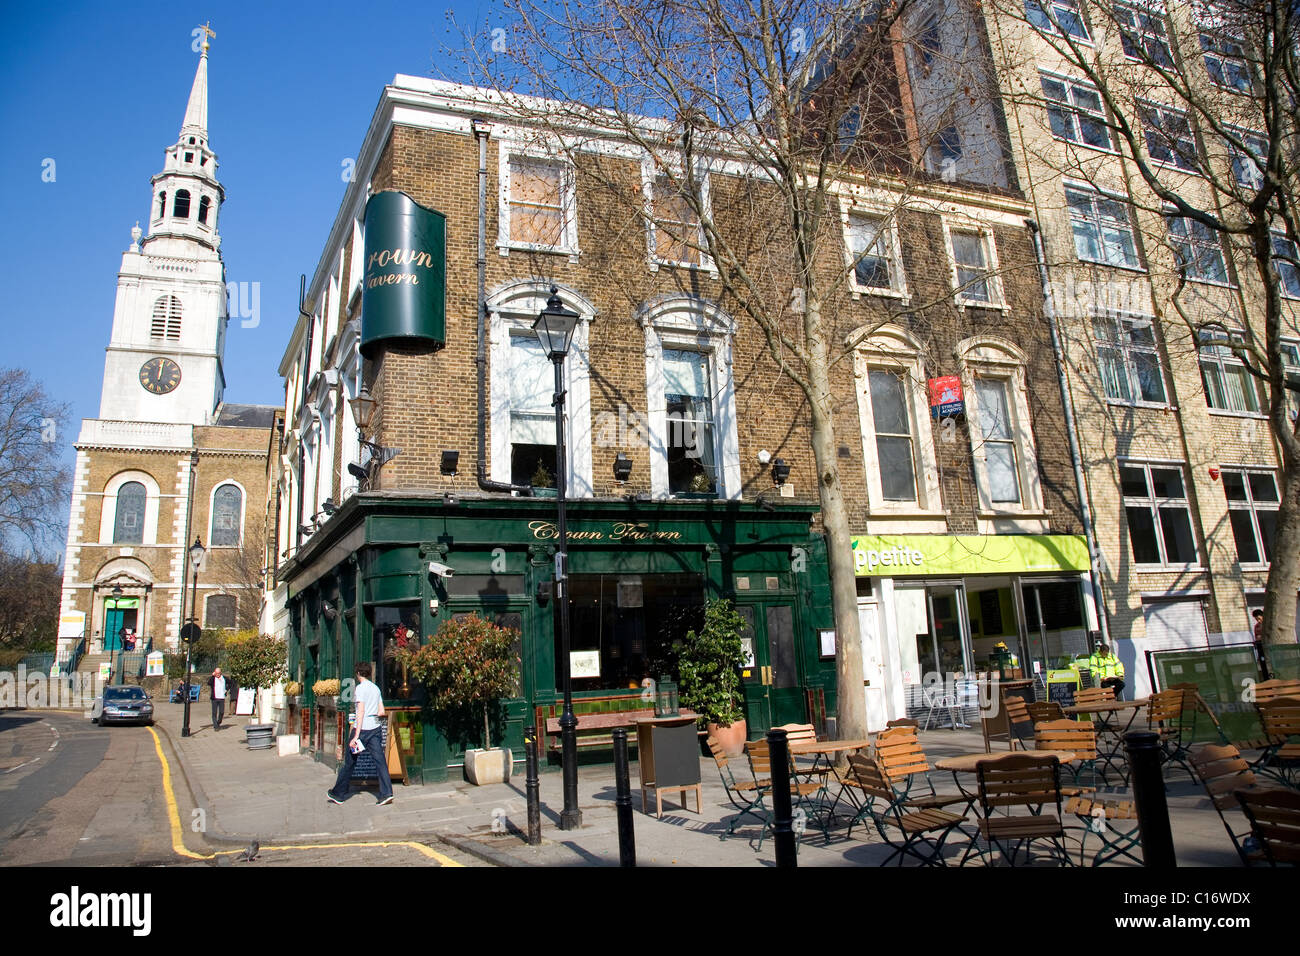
{"type": "Point", "coordinates": [1143, 748]}
{"type": "Point", "coordinates": [782, 824]}
{"type": "Point", "coordinates": [623, 801]}
{"type": "Point", "coordinates": [531, 786]}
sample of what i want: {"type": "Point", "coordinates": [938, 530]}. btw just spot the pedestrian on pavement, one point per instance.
{"type": "Point", "coordinates": [367, 736]}
{"type": "Point", "coordinates": [1259, 623]}
{"type": "Point", "coordinates": [217, 683]}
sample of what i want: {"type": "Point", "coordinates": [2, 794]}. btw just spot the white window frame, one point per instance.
{"type": "Point", "coordinates": [1153, 503]}
{"type": "Point", "coordinates": [1135, 32]}
{"type": "Point", "coordinates": [891, 348]}
{"type": "Point", "coordinates": [509, 150]}
{"type": "Point", "coordinates": [1238, 160]}
{"type": "Point", "coordinates": [108, 510]}
{"type": "Point", "coordinates": [1193, 244]}
{"type": "Point", "coordinates": [984, 357]}
{"type": "Point", "coordinates": [1125, 347]}
{"type": "Point", "coordinates": [649, 175]}
{"type": "Point", "coordinates": [1222, 356]}
{"type": "Point", "coordinates": [1052, 17]}
{"type": "Point", "coordinates": [1155, 117]}
{"type": "Point", "coordinates": [350, 383]}
{"type": "Point", "coordinates": [691, 324]}
{"type": "Point", "coordinates": [1282, 269]}
{"type": "Point", "coordinates": [992, 276]}
{"type": "Point", "coordinates": [1214, 49]}
{"type": "Point", "coordinates": [1096, 220]}
{"type": "Point", "coordinates": [1071, 106]}
{"type": "Point", "coordinates": [243, 512]}
{"type": "Point", "coordinates": [886, 237]}
{"type": "Point", "coordinates": [1253, 507]}
{"type": "Point", "coordinates": [512, 308]}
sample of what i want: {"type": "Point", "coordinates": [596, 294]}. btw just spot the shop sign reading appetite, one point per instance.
{"type": "Point", "coordinates": [618, 531]}
{"type": "Point", "coordinates": [922, 554]}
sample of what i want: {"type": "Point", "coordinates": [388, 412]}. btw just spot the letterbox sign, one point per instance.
{"type": "Point", "coordinates": [946, 397]}
{"type": "Point", "coordinates": [405, 278]}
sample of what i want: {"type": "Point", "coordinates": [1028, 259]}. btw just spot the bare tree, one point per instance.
{"type": "Point", "coordinates": [30, 591]}
{"type": "Point", "coordinates": [749, 117]}
{"type": "Point", "coordinates": [34, 481]}
{"type": "Point", "coordinates": [1200, 102]}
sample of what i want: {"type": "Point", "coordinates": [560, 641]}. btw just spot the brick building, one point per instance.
{"type": "Point", "coordinates": [938, 280]}
{"type": "Point", "coordinates": [168, 460]}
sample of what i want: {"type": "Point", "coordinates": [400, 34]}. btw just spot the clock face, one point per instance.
{"type": "Point", "coordinates": [160, 375]}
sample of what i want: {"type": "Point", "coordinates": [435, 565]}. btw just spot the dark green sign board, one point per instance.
{"type": "Point", "coordinates": [405, 278]}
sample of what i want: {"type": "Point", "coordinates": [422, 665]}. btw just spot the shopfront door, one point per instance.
{"type": "Point", "coordinates": [773, 693]}
{"type": "Point", "coordinates": [875, 668]}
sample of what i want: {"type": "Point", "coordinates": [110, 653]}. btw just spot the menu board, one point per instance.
{"type": "Point", "coordinates": [1062, 685]}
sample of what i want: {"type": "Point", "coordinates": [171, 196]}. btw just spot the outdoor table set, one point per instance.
{"type": "Point", "coordinates": [1107, 714]}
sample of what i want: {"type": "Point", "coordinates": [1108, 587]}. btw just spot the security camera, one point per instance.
{"type": "Point", "coordinates": [441, 569]}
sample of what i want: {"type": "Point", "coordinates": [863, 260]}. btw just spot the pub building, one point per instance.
{"type": "Point", "coordinates": [420, 456]}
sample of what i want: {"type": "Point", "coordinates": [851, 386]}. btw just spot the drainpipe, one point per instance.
{"type": "Point", "coordinates": [481, 133]}
{"type": "Point", "coordinates": [302, 383]}
{"type": "Point", "coordinates": [1076, 458]}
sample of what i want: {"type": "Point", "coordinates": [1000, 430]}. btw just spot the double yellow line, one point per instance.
{"type": "Point", "coordinates": [180, 849]}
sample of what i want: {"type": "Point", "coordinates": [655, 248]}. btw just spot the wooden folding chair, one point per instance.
{"type": "Point", "coordinates": [1167, 715]}
{"type": "Point", "coordinates": [1025, 781]}
{"type": "Point", "coordinates": [1281, 758]}
{"type": "Point", "coordinates": [1274, 817]}
{"type": "Point", "coordinates": [744, 795]}
{"type": "Point", "coordinates": [1223, 771]}
{"type": "Point", "coordinates": [802, 794]}
{"type": "Point", "coordinates": [1020, 726]}
{"type": "Point", "coordinates": [922, 828]}
{"type": "Point", "coordinates": [902, 761]}
{"type": "Point", "coordinates": [1041, 710]}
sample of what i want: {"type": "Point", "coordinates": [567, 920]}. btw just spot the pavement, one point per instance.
{"type": "Point", "coordinates": [250, 795]}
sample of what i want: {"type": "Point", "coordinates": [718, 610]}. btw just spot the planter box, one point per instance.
{"type": "Point", "coordinates": [483, 767]}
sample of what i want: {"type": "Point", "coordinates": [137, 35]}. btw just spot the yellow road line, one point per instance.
{"type": "Point", "coordinates": [178, 840]}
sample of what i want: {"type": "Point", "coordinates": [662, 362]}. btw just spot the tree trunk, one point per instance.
{"type": "Point", "coordinates": [851, 706]}
{"type": "Point", "coordinates": [1284, 574]}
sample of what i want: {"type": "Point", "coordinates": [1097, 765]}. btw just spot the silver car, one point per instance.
{"type": "Point", "coordinates": [122, 704]}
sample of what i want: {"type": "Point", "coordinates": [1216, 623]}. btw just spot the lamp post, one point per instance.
{"type": "Point", "coordinates": [554, 328]}
{"type": "Point", "coordinates": [117, 594]}
{"type": "Point", "coordinates": [190, 632]}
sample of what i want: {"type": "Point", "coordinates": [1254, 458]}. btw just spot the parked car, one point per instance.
{"type": "Point", "coordinates": [122, 704]}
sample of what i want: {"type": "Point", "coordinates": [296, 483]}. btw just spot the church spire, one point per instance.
{"type": "Point", "coordinates": [196, 111]}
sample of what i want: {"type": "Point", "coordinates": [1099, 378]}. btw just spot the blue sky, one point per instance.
{"type": "Point", "coordinates": [101, 89]}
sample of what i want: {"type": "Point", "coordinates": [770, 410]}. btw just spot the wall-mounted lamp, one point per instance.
{"type": "Point", "coordinates": [622, 467]}
{"type": "Point", "coordinates": [357, 472]}
{"type": "Point", "coordinates": [780, 471]}
{"type": "Point", "coordinates": [306, 530]}
{"type": "Point", "coordinates": [363, 408]}
{"type": "Point", "coordinates": [328, 507]}
{"type": "Point", "coordinates": [450, 459]}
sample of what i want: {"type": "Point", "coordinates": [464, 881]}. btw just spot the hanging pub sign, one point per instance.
{"type": "Point", "coordinates": [945, 397]}
{"type": "Point", "coordinates": [404, 283]}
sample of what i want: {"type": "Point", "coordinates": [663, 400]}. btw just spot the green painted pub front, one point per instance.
{"type": "Point", "coordinates": [640, 574]}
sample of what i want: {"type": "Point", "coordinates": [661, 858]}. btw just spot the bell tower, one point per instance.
{"type": "Point", "coordinates": [164, 361]}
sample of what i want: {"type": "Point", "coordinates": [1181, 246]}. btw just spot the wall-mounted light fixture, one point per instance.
{"type": "Point", "coordinates": [780, 471]}
{"type": "Point", "coordinates": [450, 459]}
{"type": "Point", "coordinates": [622, 467]}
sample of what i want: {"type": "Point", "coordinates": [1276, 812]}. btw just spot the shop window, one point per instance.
{"type": "Point", "coordinates": [227, 517]}
{"type": "Point", "coordinates": [674, 232]}
{"type": "Point", "coordinates": [1060, 17]}
{"type": "Point", "coordinates": [1127, 359]}
{"type": "Point", "coordinates": [181, 205]}
{"type": "Point", "coordinates": [538, 209]}
{"type": "Point", "coordinates": [898, 444]}
{"type": "Point", "coordinates": [1103, 231]}
{"type": "Point", "coordinates": [694, 447]}
{"type": "Point", "coordinates": [165, 322]}
{"type": "Point", "coordinates": [1197, 249]}
{"type": "Point", "coordinates": [395, 626]}
{"type": "Point", "coordinates": [1229, 385]}
{"type": "Point", "coordinates": [1158, 515]}
{"type": "Point", "coordinates": [128, 527]}
{"type": "Point", "coordinates": [1252, 508]}
{"type": "Point", "coordinates": [874, 258]}
{"type": "Point", "coordinates": [1075, 113]}
{"type": "Point", "coordinates": [219, 611]}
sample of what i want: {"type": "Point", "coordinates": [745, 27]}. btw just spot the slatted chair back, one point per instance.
{"type": "Point", "coordinates": [1275, 820]}
{"type": "Point", "coordinates": [903, 722]}
{"type": "Point", "coordinates": [1281, 717]}
{"type": "Point", "coordinates": [871, 778]}
{"type": "Point", "coordinates": [1267, 690]}
{"type": "Point", "coordinates": [1223, 771]}
{"type": "Point", "coordinates": [1094, 695]}
{"type": "Point", "coordinates": [1079, 739]}
{"type": "Point", "coordinates": [1167, 706]}
{"type": "Point", "coordinates": [760, 758]}
{"type": "Point", "coordinates": [719, 754]}
{"type": "Point", "coordinates": [1041, 710]}
{"type": "Point", "coordinates": [1020, 780]}
{"type": "Point", "coordinates": [1020, 725]}
{"type": "Point", "coordinates": [795, 732]}
{"type": "Point", "coordinates": [899, 753]}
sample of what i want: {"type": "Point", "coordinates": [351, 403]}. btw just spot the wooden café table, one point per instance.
{"type": "Point", "coordinates": [1107, 713]}
{"type": "Point", "coordinates": [969, 763]}
{"type": "Point", "coordinates": [821, 751]}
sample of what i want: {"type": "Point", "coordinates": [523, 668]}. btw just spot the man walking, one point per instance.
{"type": "Point", "coordinates": [217, 683]}
{"type": "Point", "coordinates": [367, 736]}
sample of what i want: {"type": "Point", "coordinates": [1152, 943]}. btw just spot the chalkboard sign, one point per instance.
{"type": "Point", "coordinates": [1062, 685]}
{"type": "Point", "coordinates": [364, 768]}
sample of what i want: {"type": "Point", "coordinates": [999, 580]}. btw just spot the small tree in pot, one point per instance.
{"type": "Point", "coordinates": [709, 671]}
{"type": "Point", "coordinates": [258, 662]}
{"type": "Point", "coordinates": [470, 663]}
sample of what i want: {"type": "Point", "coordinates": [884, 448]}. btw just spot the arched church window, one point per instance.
{"type": "Point", "coordinates": [204, 204]}
{"type": "Point", "coordinates": [162, 204]}
{"type": "Point", "coordinates": [129, 526]}
{"type": "Point", "coordinates": [181, 207]}
{"type": "Point", "coordinates": [166, 322]}
{"type": "Point", "coordinates": [227, 512]}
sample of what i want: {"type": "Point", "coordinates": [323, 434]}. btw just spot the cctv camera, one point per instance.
{"type": "Point", "coordinates": [441, 569]}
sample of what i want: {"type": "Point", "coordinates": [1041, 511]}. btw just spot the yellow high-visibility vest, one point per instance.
{"type": "Point", "coordinates": [1104, 667]}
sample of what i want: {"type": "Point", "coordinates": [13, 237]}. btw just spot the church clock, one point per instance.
{"type": "Point", "coordinates": [160, 375]}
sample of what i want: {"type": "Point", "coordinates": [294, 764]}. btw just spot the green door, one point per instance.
{"type": "Point", "coordinates": [114, 619]}
{"type": "Point", "coordinates": [773, 692]}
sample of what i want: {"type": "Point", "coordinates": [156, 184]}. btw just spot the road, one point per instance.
{"type": "Point", "coordinates": [74, 794]}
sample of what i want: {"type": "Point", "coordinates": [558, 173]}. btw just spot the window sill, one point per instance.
{"type": "Point", "coordinates": [987, 514]}
{"type": "Point", "coordinates": [504, 248]}
{"type": "Point", "coordinates": [979, 304]}
{"type": "Point", "coordinates": [1253, 567]}
{"type": "Point", "coordinates": [1139, 270]}
{"type": "Point", "coordinates": [1232, 413]}
{"type": "Point", "coordinates": [709, 267]}
{"type": "Point", "coordinates": [1104, 150]}
{"type": "Point", "coordinates": [1175, 168]}
{"type": "Point", "coordinates": [1170, 568]}
{"type": "Point", "coordinates": [884, 511]}
{"type": "Point", "coordinates": [857, 292]}
{"type": "Point", "coordinates": [1088, 42]}
{"type": "Point", "coordinates": [1154, 406]}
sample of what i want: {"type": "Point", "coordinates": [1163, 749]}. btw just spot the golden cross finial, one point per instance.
{"type": "Point", "coordinates": [207, 32]}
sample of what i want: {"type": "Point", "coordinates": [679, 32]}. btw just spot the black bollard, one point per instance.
{"type": "Point", "coordinates": [782, 822]}
{"type": "Point", "coordinates": [623, 801]}
{"type": "Point", "coordinates": [1143, 748]}
{"type": "Point", "coordinates": [531, 786]}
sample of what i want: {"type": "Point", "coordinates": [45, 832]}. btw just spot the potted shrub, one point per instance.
{"type": "Point", "coordinates": [258, 662]}
{"type": "Point", "coordinates": [293, 692]}
{"type": "Point", "coordinates": [467, 667]}
{"type": "Point", "coordinates": [709, 674]}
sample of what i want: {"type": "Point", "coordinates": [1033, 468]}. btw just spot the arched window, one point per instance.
{"type": "Point", "coordinates": [227, 516]}
{"type": "Point", "coordinates": [128, 528]}
{"type": "Point", "coordinates": [204, 204]}
{"type": "Point", "coordinates": [162, 204]}
{"type": "Point", "coordinates": [220, 611]}
{"type": "Point", "coordinates": [166, 322]}
{"type": "Point", "coordinates": [181, 207]}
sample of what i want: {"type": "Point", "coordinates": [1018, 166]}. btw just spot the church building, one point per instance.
{"type": "Point", "coordinates": [168, 460]}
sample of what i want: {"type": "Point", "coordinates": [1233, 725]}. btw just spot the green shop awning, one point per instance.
{"type": "Point", "coordinates": [931, 555]}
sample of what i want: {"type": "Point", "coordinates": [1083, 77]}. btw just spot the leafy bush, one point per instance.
{"type": "Point", "coordinates": [469, 662]}
{"type": "Point", "coordinates": [258, 661]}
{"type": "Point", "coordinates": [326, 688]}
{"type": "Point", "coordinates": [709, 665]}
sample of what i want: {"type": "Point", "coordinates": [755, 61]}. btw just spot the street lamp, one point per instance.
{"type": "Point", "coordinates": [117, 593]}
{"type": "Point", "coordinates": [554, 328]}
{"type": "Point", "coordinates": [190, 632]}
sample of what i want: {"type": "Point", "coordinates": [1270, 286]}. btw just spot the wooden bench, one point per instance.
{"type": "Point", "coordinates": [593, 729]}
